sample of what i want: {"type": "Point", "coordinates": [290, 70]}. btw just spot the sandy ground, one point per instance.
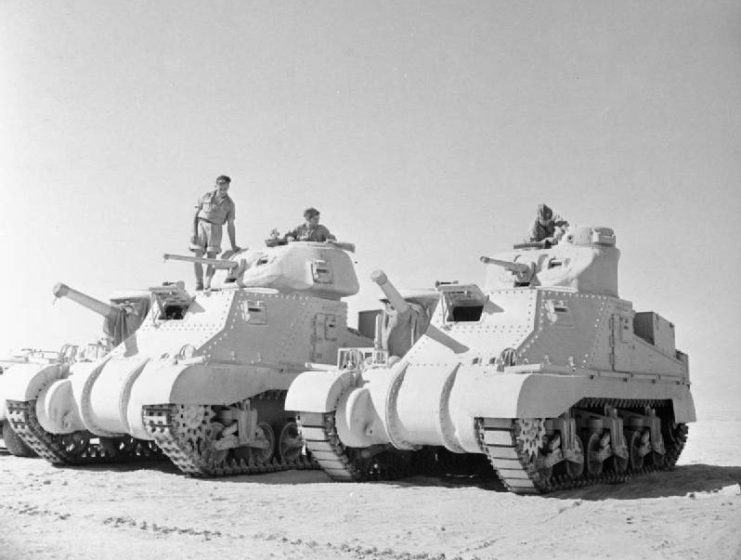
{"type": "Point", "coordinates": [154, 512]}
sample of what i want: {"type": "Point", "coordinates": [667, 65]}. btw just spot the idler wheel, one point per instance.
{"type": "Point", "coordinates": [290, 443]}
{"type": "Point", "coordinates": [633, 439]}
{"type": "Point", "coordinates": [591, 454]}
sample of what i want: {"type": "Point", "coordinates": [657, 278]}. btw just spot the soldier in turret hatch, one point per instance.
{"type": "Point", "coordinates": [547, 226]}
{"type": "Point", "coordinates": [310, 230]}
{"type": "Point", "coordinates": [213, 210]}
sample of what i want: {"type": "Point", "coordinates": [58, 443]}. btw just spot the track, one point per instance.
{"type": "Point", "coordinates": [347, 464]}
{"type": "Point", "coordinates": [504, 443]}
{"type": "Point", "coordinates": [77, 448]}
{"type": "Point", "coordinates": [186, 434]}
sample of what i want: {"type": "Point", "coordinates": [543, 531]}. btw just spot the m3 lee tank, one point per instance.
{"type": "Point", "coordinates": [205, 375]}
{"type": "Point", "coordinates": [546, 372]}
{"type": "Point", "coordinates": [34, 368]}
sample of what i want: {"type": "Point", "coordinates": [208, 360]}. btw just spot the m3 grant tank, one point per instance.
{"type": "Point", "coordinates": [546, 372]}
{"type": "Point", "coordinates": [205, 375]}
{"type": "Point", "coordinates": [26, 372]}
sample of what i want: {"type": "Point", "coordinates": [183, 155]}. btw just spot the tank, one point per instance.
{"type": "Point", "coordinates": [38, 360]}
{"type": "Point", "coordinates": [204, 378]}
{"type": "Point", "coordinates": [544, 372]}
{"type": "Point", "coordinates": [30, 367]}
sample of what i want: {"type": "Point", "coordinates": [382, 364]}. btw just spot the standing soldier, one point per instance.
{"type": "Point", "coordinates": [213, 209]}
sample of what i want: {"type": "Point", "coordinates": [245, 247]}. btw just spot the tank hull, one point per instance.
{"type": "Point", "coordinates": [439, 407]}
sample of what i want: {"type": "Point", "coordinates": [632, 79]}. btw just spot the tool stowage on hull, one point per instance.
{"type": "Point", "coordinates": [545, 372]}
{"type": "Point", "coordinates": [204, 378]}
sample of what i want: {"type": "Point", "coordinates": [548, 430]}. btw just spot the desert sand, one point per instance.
{"type": "Point", "coordinates": [152, 511]}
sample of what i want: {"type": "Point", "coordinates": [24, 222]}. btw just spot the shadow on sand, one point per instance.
{"type": "Point", "coordinates": [686, 480]}
{"type": "Point", "coordinates": [683, 481]}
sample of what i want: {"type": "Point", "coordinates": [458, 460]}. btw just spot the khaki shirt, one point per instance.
{"type": "Point", "coordinates": [213, 210]}
{"type": "Point", "coordinates": [305, 233]}
{"type": "Point", "coordinates": [539, 232]}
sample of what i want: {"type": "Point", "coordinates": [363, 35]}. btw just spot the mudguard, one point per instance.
{"type": "Point", "coordinates": [547, 395]}
{"type": "Point", "coordinates": [319, 391]}
{"type": "Point", "coordinates": [23, 382]}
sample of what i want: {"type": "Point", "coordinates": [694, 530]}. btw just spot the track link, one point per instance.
{"type": "Point", "coordinates": [77, 448]}
{"type": "Point", "coordinates": [347, 464]}
{"type": "Point", "coordinates": [165, 425]}
{"type": "Point", "coordinates": [502, 442]}
{"type": "Point", "coordinates": [321, 439]}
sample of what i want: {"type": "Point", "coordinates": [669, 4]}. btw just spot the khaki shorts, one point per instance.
{"type": "Point", "coordinates": [208, 238]}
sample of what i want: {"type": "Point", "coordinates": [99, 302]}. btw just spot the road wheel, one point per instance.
{"type": "Point", "coordinates": [591, 454]}
{"type": "Point", "coordinates": [290, 443]}
{"type": "Point", "coordinates": [633, 440]}
{"type": "Point", "coordinates": [575, 470]}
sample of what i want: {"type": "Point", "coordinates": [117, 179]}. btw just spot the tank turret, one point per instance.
{"type": "Point", "coordinates": [545, 372]}
{"type": "Point", "coordinates": [586, 260]}
{"type": "Point", "coordinates": [312, 269]}
{"type": "Point", "coordinates": [204, 377]}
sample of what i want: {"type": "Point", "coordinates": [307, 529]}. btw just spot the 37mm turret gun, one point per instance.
{"type": "Point", "coordinates": [216, 263]}
{"type": "Point", "coordinates": [524, 272]}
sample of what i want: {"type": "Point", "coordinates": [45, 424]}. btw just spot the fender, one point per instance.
{"type": "Point", "coordinates": [547, 395]}
{"type": "Point", "coordinates": [23, 382]}
{"type": "Point", "coordinates": [319, 391]}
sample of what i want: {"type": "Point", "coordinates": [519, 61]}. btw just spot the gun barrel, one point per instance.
{"type": "Point", "coordinates": [388, 289]}
{"type": "Point", "coordinates": [94, 305]}
{"type": "Point", "coordinates": [216, 263]}
{"type": "Point", "coordinates": [517, 268]}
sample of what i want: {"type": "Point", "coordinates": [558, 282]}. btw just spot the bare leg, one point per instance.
{"type": "Point", "coordinates": [210, 270]}
{"type": "Point", "coordinates": [199, 271]}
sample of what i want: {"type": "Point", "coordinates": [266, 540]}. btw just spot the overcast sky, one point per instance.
{"type": "Point", "coordinates": [425, 132]}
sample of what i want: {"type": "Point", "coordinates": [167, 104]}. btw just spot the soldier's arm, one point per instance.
{"type": "Point", "coordinates": [291, 235]}
{"type": "Point", "coordinates": [230, 229]}
{"type": "Point", "coordinates": [232, 234]}
{"type": "Point", "coordinates": [328, 236]}
{"type": "Point", "coordinates": [195, 222]}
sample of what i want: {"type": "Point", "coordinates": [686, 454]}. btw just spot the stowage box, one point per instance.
{"type": "Point", "coordinates": [653, 328]}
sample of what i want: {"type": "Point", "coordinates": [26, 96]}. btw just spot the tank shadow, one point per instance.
{"type": "Point", "coordinates": [684, 481]}
{"type": "Point", "coordinates": [691, 481]}
{"type": "Point", "coordinates": [161, 465]}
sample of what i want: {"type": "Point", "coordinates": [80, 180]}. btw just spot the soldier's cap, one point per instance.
{"type": "Point", "coordinates": [309, 213]}
{"type": "Point", "coordinates": [223, 179]}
